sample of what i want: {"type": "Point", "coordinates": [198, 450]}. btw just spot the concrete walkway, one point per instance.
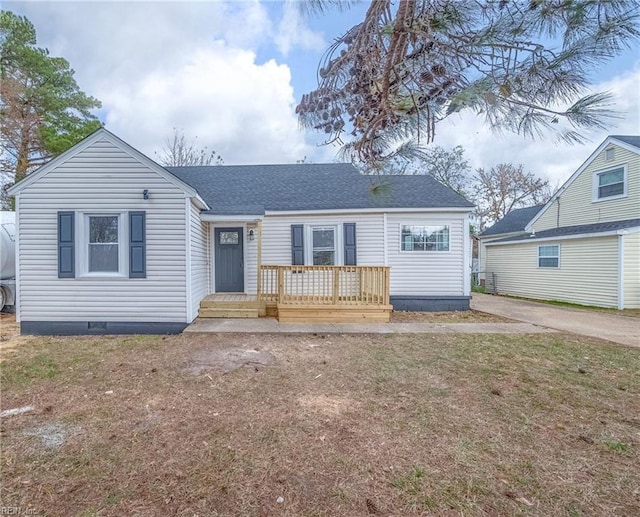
{"type": "Point", "coordinates": [624, 330]}
{"type": "Point", "coordinates": [272, 326]}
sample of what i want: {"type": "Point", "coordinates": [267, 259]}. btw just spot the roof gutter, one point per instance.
{"type": "Point", "coordinates": [461, 210]}
{"type": "Point", "coordinates": [533, 238]}
{"type": "Point", "coordinates": [213, 218]}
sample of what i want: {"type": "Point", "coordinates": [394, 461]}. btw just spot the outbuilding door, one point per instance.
{"type": "Point", "coordinates": [229, 260]}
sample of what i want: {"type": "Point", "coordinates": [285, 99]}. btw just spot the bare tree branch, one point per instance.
{"type": "Point", "coordinates": [177, 152]}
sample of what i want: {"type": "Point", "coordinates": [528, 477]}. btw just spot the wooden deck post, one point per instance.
{"type": "Point", "coordinates": [280, 284]}
{"type": "Point", "coordinates": [336, 285]}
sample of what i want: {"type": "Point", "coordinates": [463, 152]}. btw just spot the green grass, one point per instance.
{"type": "Point", "coordinates": [572, 305]}
{"type": "Point", "coordinates": [617, 446]}
{"type": "Point", "coordinates": [36, 368]}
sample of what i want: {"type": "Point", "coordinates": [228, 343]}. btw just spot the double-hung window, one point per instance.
{"type": "Point", "coordinates": [103, 246]}
{"type": "Point", "coordinates": [324, 245]}
{"type": "Point", "coordinates": [424, 238]}
{"type": "Point", "coordinates": [549, 256]}
{"type": "Point", "coordinates": [609, 184]}
{"type": "Point", "coordinates": [103, 243]}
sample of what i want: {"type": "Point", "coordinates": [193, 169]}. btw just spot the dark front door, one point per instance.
{"type": "Point", "coordinates": [229, 263]}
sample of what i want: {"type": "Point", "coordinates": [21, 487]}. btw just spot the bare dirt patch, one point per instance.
{"type": "Point", "coordinates": [350, 425]}
{"type": "Point", "coordinates": [470, 316]}
{"type": "Point", "coordinates": [228, 359]}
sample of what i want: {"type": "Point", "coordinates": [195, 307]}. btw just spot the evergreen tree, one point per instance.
{"type": "Point", "coordinates": [43, 112]}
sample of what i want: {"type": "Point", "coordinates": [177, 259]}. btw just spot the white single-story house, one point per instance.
{"type": "Point", "coordinates": [108, 241]}
{"type": "Point", "coordinates": [583, 245]}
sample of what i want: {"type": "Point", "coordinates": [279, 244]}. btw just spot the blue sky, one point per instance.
{"type": "Point", "coordinates": [231, 73]}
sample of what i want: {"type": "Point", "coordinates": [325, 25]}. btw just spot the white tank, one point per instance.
{"type": "Point", "coordinates": [7, 245]}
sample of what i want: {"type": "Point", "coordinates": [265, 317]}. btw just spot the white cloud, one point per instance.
{"type": "Point", "coordinates": [161, 65]}
{"type": "Point", "coordinates": [242, 110]}
{"type": "Point", "coordinates": [293, 31]}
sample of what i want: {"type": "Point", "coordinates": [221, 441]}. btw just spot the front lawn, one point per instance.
{"type": "Point", "coordinates": [208, 425]}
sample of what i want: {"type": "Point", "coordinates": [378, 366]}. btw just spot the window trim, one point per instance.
{"type": "Point", "coordinates": [548, 246]}
{"type": "Point", "coordinates": [445, 225]}
{"type": "Point", "coordinates": [82, 258]}
{"type": "Point", "coordinates": [595, 184]}
{"type": "Point", "coordinates": [337, 242]}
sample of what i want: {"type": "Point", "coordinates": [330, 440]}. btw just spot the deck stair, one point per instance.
{"type": "Point", "coordinates": [231, 305]}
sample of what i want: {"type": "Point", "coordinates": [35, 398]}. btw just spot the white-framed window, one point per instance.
{"type": "Point", "coordinates": [610, 183]}
{"type": "Point", "coordinates": [424, 238]}
{"type": "Point", "coordinates": [102, 246]}
{"type": "Point", "coordinates": [324, 245]}
{"type": "Point", "coordinates": [549, 256]}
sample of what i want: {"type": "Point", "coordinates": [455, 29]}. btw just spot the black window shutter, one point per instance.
{"type": "Point", "coordinates": [297, 244]}
{"type": "Point", "coordinates": [350, 244]}
{"type": "Point", "coordinates": [66, 245]}
{"type": "Point", "coordinates": [137, 245]}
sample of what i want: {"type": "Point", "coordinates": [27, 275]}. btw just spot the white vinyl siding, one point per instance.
{"type": "Point", "coordinates": [412, 274]}
{"type": "Point", "coordinates": [576, 204]}
{"type": "Point", "coordinates": [276, 236]}
{"type": "Point", "coordinates": [631, 276]}
{"type": "Point", "coordinates": [199, 233]}
{"type": "Point", "coordinates": [102, 178]}
{"type": "Point", "coordinates": [588, 272]}
{"type": "Point", "coordinates": [427, 273]}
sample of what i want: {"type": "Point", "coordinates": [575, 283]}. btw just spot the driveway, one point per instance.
{"type": "Point", "coordinates": [586, 322]}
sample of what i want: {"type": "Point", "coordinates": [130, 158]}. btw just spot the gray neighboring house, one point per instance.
{"type": "Point", "coordinates": [108, 241]}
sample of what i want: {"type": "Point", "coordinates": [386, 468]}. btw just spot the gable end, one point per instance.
{"type": "Point", "coordinates": [96, 136]}
{"type": "Point", "coordinates": [610, 143]}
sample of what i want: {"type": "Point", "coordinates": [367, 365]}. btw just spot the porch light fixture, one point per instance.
{"type": "Point", "coordinates": [145, 194]}
{"type": "Point", "coordinates": [251, 235]}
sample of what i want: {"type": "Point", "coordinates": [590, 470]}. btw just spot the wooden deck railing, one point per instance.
{"type": "Point", "coordinates": [325, 285]}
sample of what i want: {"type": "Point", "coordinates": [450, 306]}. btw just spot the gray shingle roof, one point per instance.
{"type": "Point", "coordinates": [633, 140]}
{"type": "Point", "coordinates": [514, 221]}
{"type": "Point", "coordinates": [252, 189]}
{"type": "Point", "coordinates": [575, 230]}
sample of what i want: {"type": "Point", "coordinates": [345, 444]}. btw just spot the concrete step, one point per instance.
{"type": "Point", "coordinates": [224, 312]}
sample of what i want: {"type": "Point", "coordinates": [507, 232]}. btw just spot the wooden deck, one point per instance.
{"type": "Point", "coordinates": [310, 294]}
{"type": "Point", "coordinates": [314, 294]}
